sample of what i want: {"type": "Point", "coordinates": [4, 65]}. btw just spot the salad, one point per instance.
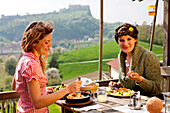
{"type": "Point", "coordinates": [121, 92]}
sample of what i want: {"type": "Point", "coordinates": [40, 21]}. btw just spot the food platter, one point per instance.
{"type": "Point", "coordinates": [120, 96]}
{"type": "Point", "coordinates": [78, 104]}
{"type": "Point", "coordinates": [121, 93]}
{"type": "Point", "coordinates": [86, 98]}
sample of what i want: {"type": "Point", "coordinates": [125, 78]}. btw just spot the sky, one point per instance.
{"type": "Point", "coordinates": [114, 10]}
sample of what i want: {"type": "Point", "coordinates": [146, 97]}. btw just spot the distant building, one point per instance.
{"type": "Point", "coordinates": [79, 7]}
{"type": "Point", "coordinates": [96, 38]}
{"type": "Point", "coordinates": [90, 39]}
{"type": "Point", "coordinates": [113, 68]}
{"type": "Point", "coordinates": [86, 36]}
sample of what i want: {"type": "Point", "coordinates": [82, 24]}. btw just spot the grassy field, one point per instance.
{"type": "Point", "coordinates": [69, 71]}
{"type": "Point", "coordinates": [110, 50]}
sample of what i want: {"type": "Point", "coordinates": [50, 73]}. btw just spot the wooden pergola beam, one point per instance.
{"type": "Point", "coordinates": [166, 37]}
{"type": "Point", "coordinates": [101, 40]}
{"type": "Point", "coordinates": [153, 27]}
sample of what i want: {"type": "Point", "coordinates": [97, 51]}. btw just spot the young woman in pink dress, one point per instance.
{"type": "Point", "coordinates": [30, 78]}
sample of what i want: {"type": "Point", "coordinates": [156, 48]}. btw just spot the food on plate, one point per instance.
{"type": "Point", "coordinates": [121, 92]}
{"type": "Point", "coordinates": [60, 87]}
{"type": "Point", "coordinates": [75, 96]}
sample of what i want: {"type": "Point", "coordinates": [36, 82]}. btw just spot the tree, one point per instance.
{"type": "Point", "coordinates": [1, 59]}
{"type": "Point", "coordinates": [10, 64]}
{"type": "Point", "coordinates": [110, 34]}
{"type": "Point", "coordinates": [58, 49]}
{"type": "Point", "coordinates": [8, 82]}
{"type": "Point", "coordinates": [76, 47]}
{"type": "Point", "coordinates": [53, 62]}
{"type": "Point", "coordinates": [53, 76]}
{"type": "Point", "coordinates": [63, 50]}
{"type": "Point", "coordinates": [62, 44]}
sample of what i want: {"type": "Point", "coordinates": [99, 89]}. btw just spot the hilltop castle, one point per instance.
{"type": "Point", "coordinates": [77, 8]}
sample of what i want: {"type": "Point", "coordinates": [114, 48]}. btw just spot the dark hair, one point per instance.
{"type": "Point", "coordinates": [126, 29]}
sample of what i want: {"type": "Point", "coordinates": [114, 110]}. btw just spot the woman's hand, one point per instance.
{"type": "Point", "coordinates": [74, 86]}
{"type": "Point", "coordinates": [114, 84]}
{"type": "Point", "coordinates": [49, 90]}
{"type": "Point", "coordinates": [134, 76]}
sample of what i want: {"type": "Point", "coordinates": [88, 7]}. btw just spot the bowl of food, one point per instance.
{"type": "Point", "coordinates": [92, 87]}
{"type": "Point", "coordinates": [78, 97]}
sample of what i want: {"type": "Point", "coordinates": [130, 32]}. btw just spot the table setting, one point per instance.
{"type": "Point", "coordinates": [103, 99]}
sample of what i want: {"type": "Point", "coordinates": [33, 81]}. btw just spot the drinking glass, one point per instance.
{"type": "Point", "coordinates": [101, 94]}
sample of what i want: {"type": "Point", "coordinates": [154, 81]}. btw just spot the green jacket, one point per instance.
{"type": "Point", "coordinates": [147, 65]}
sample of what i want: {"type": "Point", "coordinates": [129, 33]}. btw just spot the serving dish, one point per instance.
{"type": "Point", "coordinates": [82, 100]}
{"type": "Point", "coordinates": [78, 104]}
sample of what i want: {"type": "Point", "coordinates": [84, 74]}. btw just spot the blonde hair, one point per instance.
{"type": "Point", "coordinates": [34, 32]}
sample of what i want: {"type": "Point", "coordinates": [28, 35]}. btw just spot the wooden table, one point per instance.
{"type": "Point", "coordinates": [107, 107]}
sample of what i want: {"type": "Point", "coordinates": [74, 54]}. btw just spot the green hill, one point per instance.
{"type": "Point", "coordinates": [90, 53]}
{"type": "Point", "coordinates": [72, 23]}
{"type": "Point", "coordinates": [110, 50]}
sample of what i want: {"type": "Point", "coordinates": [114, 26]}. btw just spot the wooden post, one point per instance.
{"type": "Point", "coordinates": [14, 109]}
{"type": "Point", "coordinates": [101, 39]}
{"type": "Point", "coordinates": [166, 37]}
{"type": "Point", "coordinates": [165, 79]}
{"type": "Point", "coordinates": [3, 106]}
{"type": "Point", "coordinates": [8, 105]}
{"type": "Point", "coordinates": [153, 27]}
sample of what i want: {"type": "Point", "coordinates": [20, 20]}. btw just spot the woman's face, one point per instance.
{"type": "Point", "coordinates": [43, 46]}
{"type": "Point", "coordinates": [126, 43]}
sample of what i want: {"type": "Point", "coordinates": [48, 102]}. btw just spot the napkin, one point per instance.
{"type": "Point", "coordinates": [87, 108]}
{"type": "Point", "coordinates": [126, 109]}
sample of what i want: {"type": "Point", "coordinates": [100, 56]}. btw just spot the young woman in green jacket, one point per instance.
{"type": "Point", "coordinates": [139, 69]}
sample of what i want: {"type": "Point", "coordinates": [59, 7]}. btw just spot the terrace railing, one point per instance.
{"type": "Point", "coordinates": [8, 101]}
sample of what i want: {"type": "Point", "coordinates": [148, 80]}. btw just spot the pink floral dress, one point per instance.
{"type": "Point", "coordinates": [29, 68]}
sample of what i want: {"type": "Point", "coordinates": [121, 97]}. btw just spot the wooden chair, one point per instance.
{"type": "Point", "coordinates": [165, 79]}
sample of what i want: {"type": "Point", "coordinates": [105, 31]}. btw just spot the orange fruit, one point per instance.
{"type": "Point", "coordinates": [154, 105]}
